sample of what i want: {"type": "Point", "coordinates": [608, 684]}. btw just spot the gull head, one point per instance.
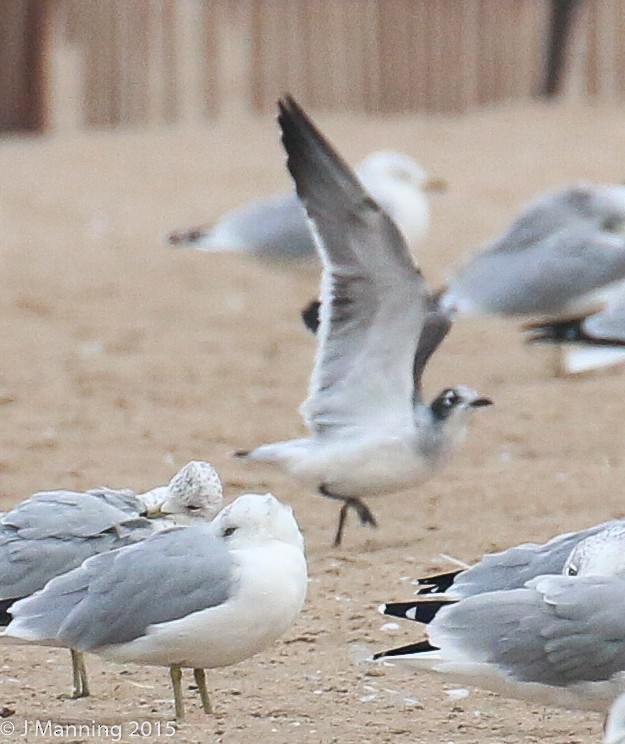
{"type": "Point", "coordinates": [397, 167]}
{"type": "Point", "coordinates": [195, 491]}
{"type": "Point", "coordinates": [399, 185]}
{"type": "Point", "coordinates": [256, 519]}
{"type": "Point", "coordinates": [601, 205]}
{"type": "Point", "coordinates": [457, 402]}
{"type": "Point", "coordinates": [602, 554]}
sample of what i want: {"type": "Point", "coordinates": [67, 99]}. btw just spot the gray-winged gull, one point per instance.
{"type": "Point", "coordinates": [589, 342]}
{"type": "Point", "coordinates": [200, 596]}
{"type": "Point", "coordinates": [507, 569]}
{"type": "Point", "coordinates": [370, 430]}
{"type": "Point", "coordinates": [275, 227]}
{"type": "Point", "coordinates": [563, 253]}
{"type": "Point", "coordinates": [53, 532]}
{"type": "Point", "coordinates": [558, 640]}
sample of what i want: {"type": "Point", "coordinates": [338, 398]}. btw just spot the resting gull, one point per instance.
{"type": "Point", "coordinates": [508, 569]}
{"type": "Point", "coordinates": [565, 252]}
{"type": "Point", "coordinates": [53, 532]}
{"type": "Point", "coordinates": [275, 227]}
{"type": "Point", "coordinates": [200, 596]}
{"type": "Point", "coordinates": [370, 430]}
{"type": "Point", "coordinates": [558, 640]}
{"type": "Point", "coordinates": [592, 341]}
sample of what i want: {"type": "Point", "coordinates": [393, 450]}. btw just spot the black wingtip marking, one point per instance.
{"type": "Point", "coordinates": [310, 315]}
{"type": "Point", "coordinates": [412, 648]}
{"type": "Point", "coordinates": [437, 584]}
{"type": "Point", "coordinates": [419, 612]}
{"type": "Point", "coordinates": [241, 453]}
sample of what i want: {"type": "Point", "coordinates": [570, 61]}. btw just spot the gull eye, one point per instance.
{"type": "Point", "coordinates": [193, 507]}
{"type": "Point", "coordinates": [572, 570]}
{"type": "Point", "coordinates": [229, 531]}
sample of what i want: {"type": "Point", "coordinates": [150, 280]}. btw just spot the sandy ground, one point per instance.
{"type": "Point", "coordinates": [122, 360]}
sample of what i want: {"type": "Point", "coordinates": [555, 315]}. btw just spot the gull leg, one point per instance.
{"type": "Point", "coordinates": [200, 681]}
{"type": "Point", "coordinates": [176, 682]}
{"type": "Point", "coordinates": [349, 502]}
{"type": "Point", "coordinates": [80, 683]}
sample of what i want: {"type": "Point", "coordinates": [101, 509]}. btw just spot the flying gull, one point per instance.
{"type": "Point", "coordinates": [275, 227]}
{"type": "Point", "coordinates": [370, 430]}
{"type": "Point", "coordinates": [199, 596]}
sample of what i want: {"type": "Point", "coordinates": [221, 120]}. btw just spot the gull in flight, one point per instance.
{"type": "Point", "coordinates": [557, 639]}
{"type": "Point", "coordinates": [53, 532]}
{"type": "Point", "coordinates": [201, 596]}
{"type": "Point", "coordinates": [275, 227]}
{"type": "Point", "coordinates": [370, 430]}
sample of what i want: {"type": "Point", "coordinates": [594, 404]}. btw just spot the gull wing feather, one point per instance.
{"type": "Point", "coordinates": [373, 297]}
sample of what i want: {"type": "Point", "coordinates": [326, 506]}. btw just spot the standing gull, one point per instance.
{"type": "Point", "coordinates": [202, 596]}
{"type": "Point", "coordinates": [558, 640]}
{"type": "Point", "coordinates": [565, 251]}
{"type": "Point", "coordinates": [275, 227]}
{"type": "Point", "coordinates": [370, 431]}
{"type": "Point", "coordinates": [53, 532]}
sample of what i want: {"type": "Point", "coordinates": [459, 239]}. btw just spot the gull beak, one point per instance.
{"type": "Point", "coordinates": [436, 185]}
{"type": "Point", "coordinates": [481, 402]}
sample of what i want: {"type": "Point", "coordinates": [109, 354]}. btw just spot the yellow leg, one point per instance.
{"type": "Point", "coordinates": [176, 681]}
{"type": "Point", "coordinates": [200, 681]}
{"type": "Point", "coordinates": [79, 675]}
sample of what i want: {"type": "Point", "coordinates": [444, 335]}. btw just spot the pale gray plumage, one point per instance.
{"type": "Point", "coordinates": [206, 595]}
{"type": "Point", "coordinates": [370, 431]}
{"type": "Point", "coordinates": [176, 572]}
{"type": "Point", "coordinates": [275, 227]}
{"type": "Point", "coordinates": [54, 531]}
{"type": "Point", "coordinates": [559, 639]}
{"type": "Point", "coordinates": [563, 249]}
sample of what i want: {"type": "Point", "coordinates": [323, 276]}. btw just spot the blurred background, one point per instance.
{"type": "Point", "coordinates": [108, 63]}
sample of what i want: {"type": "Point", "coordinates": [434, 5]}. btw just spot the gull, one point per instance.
{"type": "Point", "coordinates": [558, 640]}
{"type": "Point", "coordinates": [508, 569]}
{"type": "Point", "coordinates": [199, 596]}
{"type": "Point", "coordinates": [614, 729]}
{"type": "Point", "coordinates": [53, 532]}
{"type": "Point", "coordinates": [564, 253]}
{"type": "Point", "coordinates": [590, 341]}
{"type": "Point", "coordinates": [275, 227]}
{"type": "Point", "coordinates": [370, 430]}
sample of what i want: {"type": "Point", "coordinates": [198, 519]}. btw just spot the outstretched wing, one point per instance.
{"type": "Point", "coordinates": [373, 297]}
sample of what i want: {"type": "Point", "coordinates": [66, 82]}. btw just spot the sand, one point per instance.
{"type": "Point", "coordinates": [123, 359]}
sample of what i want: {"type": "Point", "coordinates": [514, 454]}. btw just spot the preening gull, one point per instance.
{"type": "Point", "coordinates": [370, 430]}
{"type": "Point", "coordinates": [558, 640]}
{"type": "Point", "coordinates": [275, 227]}
{"type": "Point", "coordinates": [200, 596]}
{"type": "Point", "coordinates": [564, 252]}
{"type": "Point", "coordinates": [53, 532]}
{"type": "Point", "coordinates": [589, 342]}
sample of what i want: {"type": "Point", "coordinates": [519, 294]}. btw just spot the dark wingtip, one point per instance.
{"type": "Point", "coordinates": [310, 315]}
{"type": "Point", "coordinates": [240, 453]}
{"type": "Point", "coordinates": [481, 403]}
{"type": "Point", "coordinates": [413, 648]}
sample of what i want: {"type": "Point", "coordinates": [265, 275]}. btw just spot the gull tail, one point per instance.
{"type": "Point", "coordinates": [419, 611]}
{"type": "Point", "coordinates": [207, 238]}
{"type": "Point", "coordinates": [583, 358]}
{"type": "Point", "coordinates": [438, 583]}
{"type": "Point", "coordinates": [412, 652]}
{"type": "Point", "coordinates": [275, 452]}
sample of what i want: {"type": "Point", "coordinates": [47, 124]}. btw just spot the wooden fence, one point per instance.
{"type": "Point", "coordinates": [141, 62]}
